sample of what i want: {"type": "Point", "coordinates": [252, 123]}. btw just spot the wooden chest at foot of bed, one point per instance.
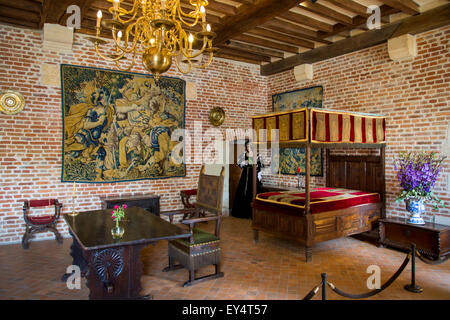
{"type": "Point", "coordinates": [342, 223]}
{"type": "Point", "coordinates": [310, 229]}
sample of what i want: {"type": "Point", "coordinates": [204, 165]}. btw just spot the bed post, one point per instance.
{"type": "Point", "coordinates": [255, 186]}
{"type": "Point", "coordinates": [327, 157]}
{"type": "Point", "coordinates": [383, 170]}
{"type": "Point", "coordinates": [309, 220]}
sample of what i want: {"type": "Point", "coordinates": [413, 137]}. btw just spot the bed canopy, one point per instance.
{"type": "Point", "coordinates": [322, 127]}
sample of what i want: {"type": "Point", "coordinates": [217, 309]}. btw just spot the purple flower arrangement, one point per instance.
{"type": "Point", "coordinates": [417, 173]}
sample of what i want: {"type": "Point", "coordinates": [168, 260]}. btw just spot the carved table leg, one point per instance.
{"type": "Point", "coordinates": [77, 259]}
{"type": "Point", "coordinates": [115, 273]}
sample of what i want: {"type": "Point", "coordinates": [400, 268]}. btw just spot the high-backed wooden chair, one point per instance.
{"type": "Point", "coordinates": [202, 248]}
{"type": "Point", "coordinates": [41, 223]}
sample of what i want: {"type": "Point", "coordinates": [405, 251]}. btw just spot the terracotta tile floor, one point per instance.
{"type": "Point", "coordinates": [272, 269]}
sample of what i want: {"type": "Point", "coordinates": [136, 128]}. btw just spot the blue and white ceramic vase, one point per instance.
{"type": "Point", "coordinates": [415, 207]}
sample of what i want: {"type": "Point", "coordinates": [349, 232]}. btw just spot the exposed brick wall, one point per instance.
{"type": "Point", "coordinates": [413, 94]}
{"type": "Point", "coordinates": [30, 142]}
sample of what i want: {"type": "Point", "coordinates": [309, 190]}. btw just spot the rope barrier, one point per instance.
{"type": "Point", "coordinates": [313, 292]}
{"type": "Point", "coordinates": [376, 291]}
{"type": "Point", "coordinates": [410, 287]}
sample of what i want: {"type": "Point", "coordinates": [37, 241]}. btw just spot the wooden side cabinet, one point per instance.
{"type": "Point", "coordinates": [149, 202]}
{"type": "Point", "coordinates": [431, 239]}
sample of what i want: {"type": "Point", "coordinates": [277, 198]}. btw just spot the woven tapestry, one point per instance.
{"type": "Point", "coordinates": [117, 126]}
{"type": "Point", "coordinates": [292, 158]}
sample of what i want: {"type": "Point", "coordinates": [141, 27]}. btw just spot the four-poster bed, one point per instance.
{"type": "Point", "coordinates": [354, 197]}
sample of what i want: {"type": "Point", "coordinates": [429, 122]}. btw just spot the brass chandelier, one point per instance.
{"type": "Point", "coordinates": [154, 29]}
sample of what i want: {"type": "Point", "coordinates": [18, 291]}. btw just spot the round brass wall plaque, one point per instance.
{"type": "Point", "coordinates": [217, 116]}
{"type": "Point", "coordinates": [11, 102]}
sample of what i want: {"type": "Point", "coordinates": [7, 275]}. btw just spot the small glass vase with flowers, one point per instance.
{"type": "Point", "coordinates": [118, 214]}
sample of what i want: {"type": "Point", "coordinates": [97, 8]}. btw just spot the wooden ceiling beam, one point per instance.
{"type": "Point", "coordinates": [429, 20]}
{"type": "Point", "coordinates": [244, 1]}
{"type": "Point", "coordinates": [281, 37]}
{"type": "Point", "coordinates": [229, 52]}
{"type": "Point", "coordinates": [56, 11]}
{"type": "Point", "coordinates": [85, 6]}
{"type": "Point", "coordinates": [221, 7]}
{"type": "Point", "coordinates": [254, 49]}
{"type": "Point", "coordinates": [249, 16]}
{"type": "Point", "coordinates": [326, 12]}
{"type": "Point", "coordinates": [362, 41]}
{"type": "Point", "coordinates": [359, 22]}
{"type": "Point", "coordinates": [236, 58]}
{"type": "Point", "coordinates": [44, 12]}
{"type": "Point", "coordinates": [19, 14]}
{"type": "Point", "coordinates": [306, 21]}
{"type": "Point", "coordinates": [406, 6]}
{"type": "Point", "coordinates": [217, 7]}
{"type": "Point", "coordinates": [266, 43]}
{"type": "Point", "coordinates": [20, 22]}
{"type": "Point", "coordinates": [294, 30]}
{"type": "Point", "coordinates": [351, 6]}
{"type": "Point", "coordinates": [26, 5]}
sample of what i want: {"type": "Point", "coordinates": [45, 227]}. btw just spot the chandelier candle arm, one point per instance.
{"type": "Point", "coordinates": [133, 62]}
{"type": "Point", "coordinates": [189, 66]}
{"type": "Point", "coordinates": [193, 14]}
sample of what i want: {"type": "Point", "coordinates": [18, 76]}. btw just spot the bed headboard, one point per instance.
{"type": "Point", "coordinates": [364, 173]}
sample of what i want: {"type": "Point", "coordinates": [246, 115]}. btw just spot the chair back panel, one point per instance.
{"type": "Point", "coordinates": [210, 191]}
{"type": "Point", "coordinates": [42, 203]}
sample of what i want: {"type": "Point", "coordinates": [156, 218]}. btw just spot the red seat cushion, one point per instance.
{"type": "Point", "coordinates": [42, 203]}
{"type": "Point", "coordinates": [41, 219]}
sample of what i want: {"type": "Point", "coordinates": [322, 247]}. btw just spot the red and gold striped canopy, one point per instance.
{"type": "Point", "coordinates": [320, 126]}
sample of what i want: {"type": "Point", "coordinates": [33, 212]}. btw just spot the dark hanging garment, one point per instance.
{"type": "Point", "coordinates": [244, 193]}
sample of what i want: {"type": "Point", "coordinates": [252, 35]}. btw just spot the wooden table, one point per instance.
{"type": "Point", "coordinates": [113, 267]}
{"type": "Point", "coordinates": [149, 202]}
{"type": "Point", "coordinates": [431, 239]}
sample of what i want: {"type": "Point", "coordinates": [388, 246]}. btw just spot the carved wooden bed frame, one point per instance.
{"type": "Point", "coordinates": [365, 173]}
